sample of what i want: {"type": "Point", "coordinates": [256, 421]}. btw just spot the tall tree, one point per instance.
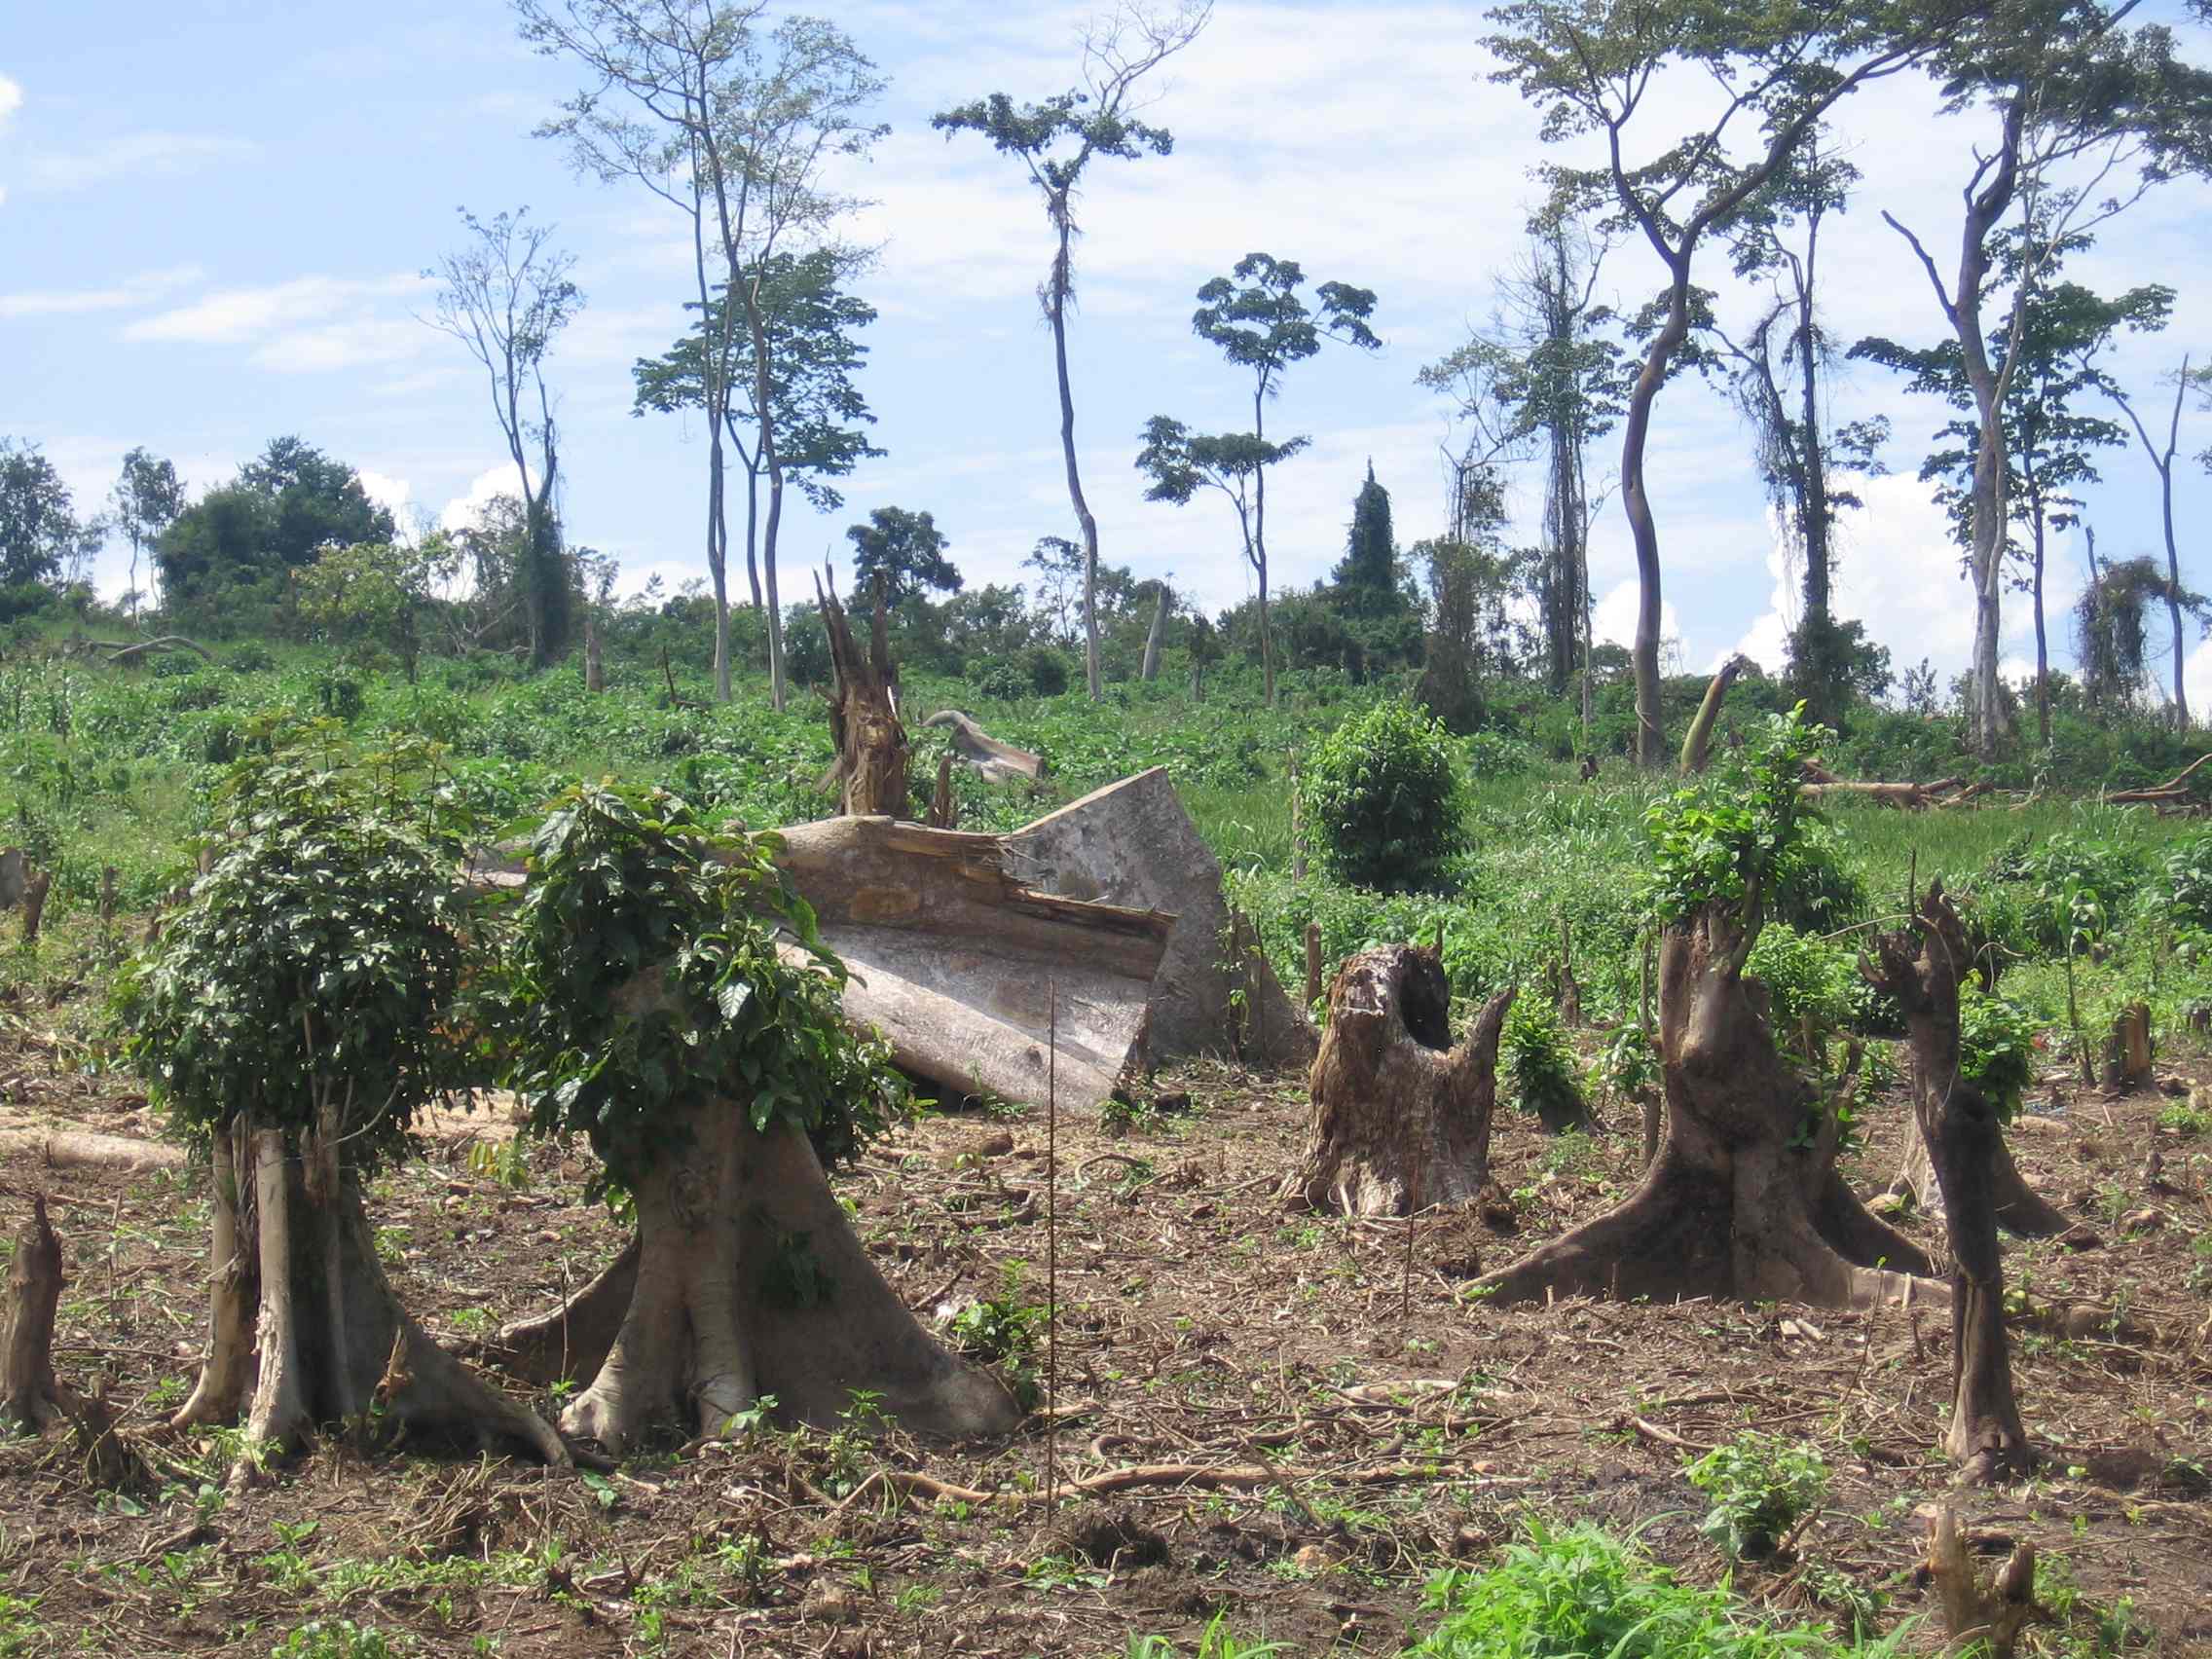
{"type": "Point", "coordinates": [1544, 374]}
{"type": "Point", "coordinates": [1778, 372]}
{"type": "Point", "coordinates": [2161, 460]}
{"type": "Point", "coordinates": [286, 505]}
{"type": "Point", "coordinates": [2088, 114]}
{"type": "Point", "coordinates": [1261, 324]}
{"type": "Point", "coordinates": [39, 527]}
{"type": "Point", "coordinates": [733, 125]}
{"type": "Point", "coordinates": [903, 550]}
{"type": "Point", "coordinates": [505, 295]}
{"type": "Point", "coordinates": [811, 323]}
{"type": "Point", "coordinates": [1366, 579]}
{"type": "Point", "coordinates": [1056, 141]}
{"type": "Point", "coordinates": [147, 498]}
{"type": "Point", "coordinates": [1595, 65]}
{"type": "Point", "coordinates": [2046, 363]}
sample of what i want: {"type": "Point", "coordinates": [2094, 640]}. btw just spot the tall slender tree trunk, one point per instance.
{"type": "Point", "coordinates": [752, 533]}
{"type": "Point", "coordinates": [1057, 311]}
{"type": "Point", "coordinates": [1259, 550]}
{"type": "Point", "coordinates": [766, 453]}
{"type": "Point", "coordinates": [2043, 647]}
{"type": "Point", "coordinates": [1988, 572]}
{"type": "Point", "coordinates": [718, 565]}
{"type": "Point", "coordinates": [1636, 502]}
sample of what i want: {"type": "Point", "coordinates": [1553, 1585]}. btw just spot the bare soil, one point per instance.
{"type": "Point", "coordinates": [1404, 1426]}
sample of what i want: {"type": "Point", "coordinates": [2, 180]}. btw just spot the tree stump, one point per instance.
{"type": "Point", "coordinates": [744, 1280]}
{"type": "Point", "coordinates": [595, 665]}
{"type": "Point", "coordinates": [1922, 966]}
{"type": "Point", "coordinates": [1984, 1614]}
{"type": "Point", "coordinates": [28, 1397]}
{"type": "Point", "coordinates": [2127, 1050]}
{"type": "Point", "coordinates": [1401, 1117]}
{"type": "Point", "coordinates": [35, 891]}
{"type": "Point", "coordinates": [864, 714]}
{"type": "Point", "coordinates": [1743, 1197]}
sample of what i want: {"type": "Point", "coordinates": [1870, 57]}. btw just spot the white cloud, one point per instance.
{"type": "Point", "coordinates": [142, 289]}
{"type": "Point", "coordinates": [394, 495]}
{"type": "Point", "coordinates": [466, 508]}
{"type": "Point", "coordinates": [10, 98]}
{"type": "Point", "coordinates": [1612, 619]}
{"type": "Point", "coordinates": [132, 155]}
{"type": "Point", "coordinates": [230, 315]}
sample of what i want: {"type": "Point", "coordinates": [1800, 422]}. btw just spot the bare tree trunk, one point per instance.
{"type": "Point", "coordinates": [746, 1280]}
{"type": "Point", "coordinates": [717, 567]}
{"type": "Point", "coordinates": [763, 398]}
{"type": "Point", "coordinates": [28, 1397]}
{"type": "Point", "coordinates": [1922, 967]}
{"type": "Point", "coordinates": [1259, 552]}
{"type": "Point", "coordinates": [1636, 502]}
{"type": "Point", "coordinates": [2043, 646]}
{"type": "Point", "coordinates": [279, 1409]}
{"type": "Point", "coordinates": [1740, 1200]}
{"type": "Point", "coordinates": [595, 667]}
{"type": "Point", "coordinates": [1056, 312]}
{"type": "Point", "coordinates": [1151, 670]}
{"type": "Point", "coordinates": [225, 1372]}
{"type": "Point", "coordinates": [1397, 1109]}
{"type": "Point", "coordinates": [1697, 743]}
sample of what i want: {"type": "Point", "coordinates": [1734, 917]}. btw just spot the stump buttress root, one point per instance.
{"type": "Point", "coordinates": [1921, 967]}
{"type": "Point", "coordinates": [745, 1281]}
{"type": "Point", "coordinates": [1401, 1118]}
{"type": "Point", "coordinates": [1740, 1199]}
{"type": "Point", "coordinates": [304, 1326]}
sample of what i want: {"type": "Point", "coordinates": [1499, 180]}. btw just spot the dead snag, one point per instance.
{"type": "Point", "coordinates": [1921, 965]}
{"type": "Point", "coordinates": [1741, 1200]}
{"type": "Point", "coordinates": [28, 1397]}
{"type": "Point", "coordinates": [1397, 1109]}
{"type": "Point", "coordinates": [864, 714]}
{"type": "Point", "coordinates": [1697, 743]}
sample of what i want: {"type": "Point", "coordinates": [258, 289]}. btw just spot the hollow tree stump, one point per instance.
{"type": "Point", "coordinates": [28, 1397]}
{"type": "Point", "coordinates": [1401, 1117]}
{"type": "Point", "coordinates": [1921, 965]}
{"type": "Point", "coordinates": [1743, 1197]}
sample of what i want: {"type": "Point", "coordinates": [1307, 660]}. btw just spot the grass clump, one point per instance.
{"type": "Point", "coordinates": [1581, 1591]}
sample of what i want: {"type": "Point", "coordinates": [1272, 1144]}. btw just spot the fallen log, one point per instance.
{"type": "Point", "coordinates": [81, 1149]}
{"type": "Point", "coordinates": [1822, 785]}
{"type": "Point", "coordinates": [123, 650]}
{"type": "Point", "coordinates": [998, 762]}
{"type": "Point", "coordinates": [966, 972]}
{"type": "Point", "coordinates": [2172, 792]}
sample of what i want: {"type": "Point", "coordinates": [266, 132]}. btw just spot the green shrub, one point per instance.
{"type": "Point", "coordinates": [1805, 978]}
{"type": "Point", "coordinates": [1734, 835]}
{"type": "Point", "coordinates": [1581, 1594]}
{"type": "Point", "coordinates": [338, 1638]}
{"type": "Point", "coordinates": [2188, 880]}
{"type": "Point", "coordinates": [250, 657]}
{"type": "Point", "coordinates": [1997, 1049]}
{"type": "Point", "coordinates": [1537, 1058]}
{"type": "Point", "coordinates": [1004, 1330]}
{"type": "Point", "coordinates": [1049, 670]}
{"type": "Point", "coordinates": [1384, 802]}
{"type": "Point", "coordinates": [1759, 1486]}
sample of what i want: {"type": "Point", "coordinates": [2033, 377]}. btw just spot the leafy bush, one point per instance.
{"type": "Point", "coordinates": [1997, 1049]}
{"type": "Point", "coordinates": [1004, 1330]}
{"type": "Point", "coordinates": [647, 973]}
{"type": "Point", "coordinates": [1492, 755]}
{"type": "Point", "coordinates": [2188, 880]}
{"type": "Point", "coordinates": [1385, 800]}
{"type": "Point", "coordinates": [1049, 670]}
{"type": "Point", "coordinates": [1733, 834]}
{"type": "Point", "coordinates": [1581, 1593]}
{"type": "Point", "coordinates": [249, 657]}
{"type": "Point", "coordinates": [2073, 887]}
{"type": "Point", "coordinates": [1761, 1486]}
{"type": "Point", "coordinates": [314, 967]}
{"type": "Point", "coordinates": [1536, 1057]}
{"type": "Point", "coordinates": [1805, 976]}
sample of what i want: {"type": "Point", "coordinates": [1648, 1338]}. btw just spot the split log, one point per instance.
{"type": "Point", "coordinates": [1921, 966]}
{"type": "Point", "coordinates": [1401, 1118]}
{"type": "Point", "coordinates": [863, 712]}
{"type": "Point", "coordinates": [1697, 743]}
{"type": "Point", "coordinates": [1822, 785]}
{"type": "Point", "coordinates": [1132, 843]}
{"type": "Point", "coordinates": [954, 958]}
{"type": "Point", "coordinates": [1740, 1200]}
{"type": "Point", "coordinates": [28, 1397]}
{"type": "Point", "coordinates": [998, 762]}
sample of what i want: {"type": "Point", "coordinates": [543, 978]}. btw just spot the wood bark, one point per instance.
{"type": "Point", "coordinates": [232, 1290]}
{"type": "Point", "coordinates": [1922, 966]}
{"type": "Point", "coordinates": [15, 876]}
{"type": "Point", "coordinates": [746, 1280]}
{"type": "Point", "coordinates": [1743, 1197]}
{"type": "Point", "coordinates": [2022, 1210]}
{"type": "Point", "coordinates": [1150, 669]}
{"type": "Point", "coordinates": [1697, 743]}
{"type": "Point", "coordinates": [329, 1334]}
{"type": "Point", "coordinates": [2127, 1049]}
{"type": "Point", "coordinates": [1401, 1116]}
{"type": "Point", "coordinates": [28, 1397]}
{"type": "Point", "coordinates": [35, 891]}
{"type": "Point", "coordinates": [595, 666]}
{"type": "Point", "coordinates": [864, 714]}
{"type": "Point", "coordinates": [1985, 1615]}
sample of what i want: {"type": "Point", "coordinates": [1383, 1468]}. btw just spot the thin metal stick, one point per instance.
{"type": "Point", "coordinates": [1051, 1244]}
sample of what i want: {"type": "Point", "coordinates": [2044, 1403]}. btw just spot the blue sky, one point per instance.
{"type": "Point", "coordinates": [214, 214]}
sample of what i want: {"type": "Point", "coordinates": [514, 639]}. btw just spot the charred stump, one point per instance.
{"type": "Point", "coordinates": [1743, 1197]}
{"type": "Point", "coordinates": [28, 1397]}
{"type": "Point", "coordinates": [864, 714]}
{"type": "Point", "coordinates": [1921, 967]}
{"type": "Point", "coordinates": [745, 1281]}
{"type": "Point", "coordinates": [1401, 1117]}
{"type": "Point", "coordinates": [303, 1327]}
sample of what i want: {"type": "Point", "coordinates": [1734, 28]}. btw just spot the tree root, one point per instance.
{"type": "Point", "coordinates": [1204, 1477]}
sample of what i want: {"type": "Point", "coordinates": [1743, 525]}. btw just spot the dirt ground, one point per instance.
{"type": "Point", "coordinates": [1404, 1426]}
